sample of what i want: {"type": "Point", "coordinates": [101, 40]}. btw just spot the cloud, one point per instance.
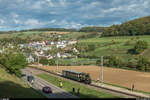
{"type": "Point", "coordinates": [21, 14]}
{"type": "Point", "coordinates": [2, 21]}
{"type": "Point", "coordinates": [53, 21]}
{"type": "Point", "coordinates": [33, 23]}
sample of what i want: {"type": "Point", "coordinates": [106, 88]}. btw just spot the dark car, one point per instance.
{"type": "Point", "coordinates": [47, 89]}
{"type": "Point", "coordinates": [30, 79]}
{"type": "Point", "coordinates": [23, 75]}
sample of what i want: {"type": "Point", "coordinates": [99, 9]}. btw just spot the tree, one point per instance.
{"type": "Point", "coordinates": [44, 61]}
{"type": "Point", "coordinates": [13, 61]}
{"type": "Point", "coordinates": [115, 61]}
{"type": "Point", "coordinates": [51, 62]}
{"type": "Point", "coordinates": [143, 64]}
{"type": "Point", "coordinates": [140, 46]}
{"type": "Point", "coordinates": [132, 63]}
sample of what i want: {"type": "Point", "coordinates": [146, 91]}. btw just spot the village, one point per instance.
{"type": "Point", "coordinates": [41, 48]}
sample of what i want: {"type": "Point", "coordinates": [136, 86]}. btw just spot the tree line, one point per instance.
{"type": "Point", "coordinates": [51, 29]}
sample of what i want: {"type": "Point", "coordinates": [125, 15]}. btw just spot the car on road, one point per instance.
{"type": "Point", "coordinates": [30, 79]}
{"type": "Point", "coordinates": [23, 75]}
{"type": "Point", "coordinates": [47, 89]}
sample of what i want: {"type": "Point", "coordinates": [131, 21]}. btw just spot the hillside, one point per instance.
{"type": "Point", "coordinates": [114, 46]}
{"type": "Point", "coordinates": [140, 26]}
{"type": "Point", "coordinates": [13, 87]}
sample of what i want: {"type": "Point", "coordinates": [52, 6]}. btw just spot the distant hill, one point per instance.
{"type": "Point", "coordinates": [51, 29]}
{"type": "Point", "coordinates": [140, 26]}
{"type": "Point", "coordinates": [92, 29]}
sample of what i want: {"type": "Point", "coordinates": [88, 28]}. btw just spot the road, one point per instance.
{"type": "Point", "coordinates": [40, 83]}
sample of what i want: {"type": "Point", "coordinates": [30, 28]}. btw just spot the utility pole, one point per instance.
{"type": "Point", "coordinates": [101, 69]}
{"type": "Point", "coordinates": [57, 63]}
{"type": "Point", "coordinates": [38, 59]}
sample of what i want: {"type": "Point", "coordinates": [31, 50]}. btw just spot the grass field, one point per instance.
{"type": "Point", "coordinates": [13, 87]}
{"type": "Point", "coordinates": [78, 61]}
{"type": "Point", "coordinates": [85, 92]}
{"type": "Point", "coordinates": [116, 76]}
{"type": "Point", "coordinates": [119, 48]}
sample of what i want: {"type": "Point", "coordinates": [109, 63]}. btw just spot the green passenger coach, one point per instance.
{"type": "Point", "coordinates": [78, 76]}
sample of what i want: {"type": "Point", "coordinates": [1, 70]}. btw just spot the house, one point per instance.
{"type": "Point", "coordinates": [72, 42]}
{"type": "Point", "coordinates": [1, 51]}
{"type": "Point", "coordinates": [75, 50]}
{"type": "Point", "coordinates": [63, 56]}
{"type": "Point", "coordinates": [49, 57]}
{"type": "Point", "coordinates": [52, 43]}
{"type": "Point", "coordinates": [46, 48]}
{"type": "Point", "coordinates": [42, 42]}
{"type": "Point", "coordinates": [67, 54]}
{"type": "Point", "coordinates": [30, 59]}
{"type": "Point", "coordinates": [60, 45]}
{"type": "Point", "coordinates": [58, 55]}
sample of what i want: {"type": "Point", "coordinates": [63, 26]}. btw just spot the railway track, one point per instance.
{"type": "Point", "coordinates": [117, 92]}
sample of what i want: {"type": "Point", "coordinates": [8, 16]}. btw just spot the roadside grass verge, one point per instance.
{"type": "Point", "coordinates": [85, 92]}
{"type": "Point", "coordinates": [13, 87]}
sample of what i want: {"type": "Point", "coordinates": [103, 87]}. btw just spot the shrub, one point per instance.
{"type": "Point", "coordinates": [114, 61]}
{"type": "Point", "coordinates": [137, 37]}
{"type": "Point", "coordinates": [132, 63]}
{"type": "Point", "coordinates": [127, 43]}
{"type": "Point", "coordinates": [51, 62]}
{"type": "Point", "coordinates": [140, 46]}
{"type": "Point", "coordinates": [143, 64]}
{"type": "Point", "coordinates": [44, 61]}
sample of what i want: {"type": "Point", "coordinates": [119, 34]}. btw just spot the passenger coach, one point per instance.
{"type": "Point", "coordinates": [78, 76]}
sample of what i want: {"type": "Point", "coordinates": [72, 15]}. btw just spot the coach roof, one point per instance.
{"type": "Point", "coordinates": [72, 71]}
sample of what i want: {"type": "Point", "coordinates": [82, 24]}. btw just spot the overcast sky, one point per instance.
{"type": "Point", "coordinates": [27, 14]}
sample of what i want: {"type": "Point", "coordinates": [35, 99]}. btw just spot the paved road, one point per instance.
{"type": "Point", "coordinates": [40, 83]}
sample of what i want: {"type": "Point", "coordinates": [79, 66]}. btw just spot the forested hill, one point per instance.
{"type": "Point", "coordinates": [140, 26]}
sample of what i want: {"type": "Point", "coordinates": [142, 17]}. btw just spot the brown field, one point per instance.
{"type": "Point", "coordinates": [50, 32]}
{"type": "Point", "coordinates": [120, 77]}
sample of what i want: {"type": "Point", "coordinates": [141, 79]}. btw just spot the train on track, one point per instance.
{"type": "Point", "coordinates": [78, 76]}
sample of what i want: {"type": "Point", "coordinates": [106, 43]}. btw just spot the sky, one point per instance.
{"type": "Point", "coordinates": [28, 14]}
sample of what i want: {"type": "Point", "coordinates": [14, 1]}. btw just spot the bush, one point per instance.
{"type": "Point", "coordinates": [51, 62]}
{"type": "Point", "coordinates": [127, 43]}
{"type": "Point", "coordinates": [44, 61]}
{"type": "Point", "coordinates": [113, 61]}
{"type": "Point", "coordinates": [91, 47]}
{"type": "Point", "coordinates": [140, 46]}
{"type": "Point", "coordinates": [132, 63]}
{"type": "Point", "coordinates": [143, 64]}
